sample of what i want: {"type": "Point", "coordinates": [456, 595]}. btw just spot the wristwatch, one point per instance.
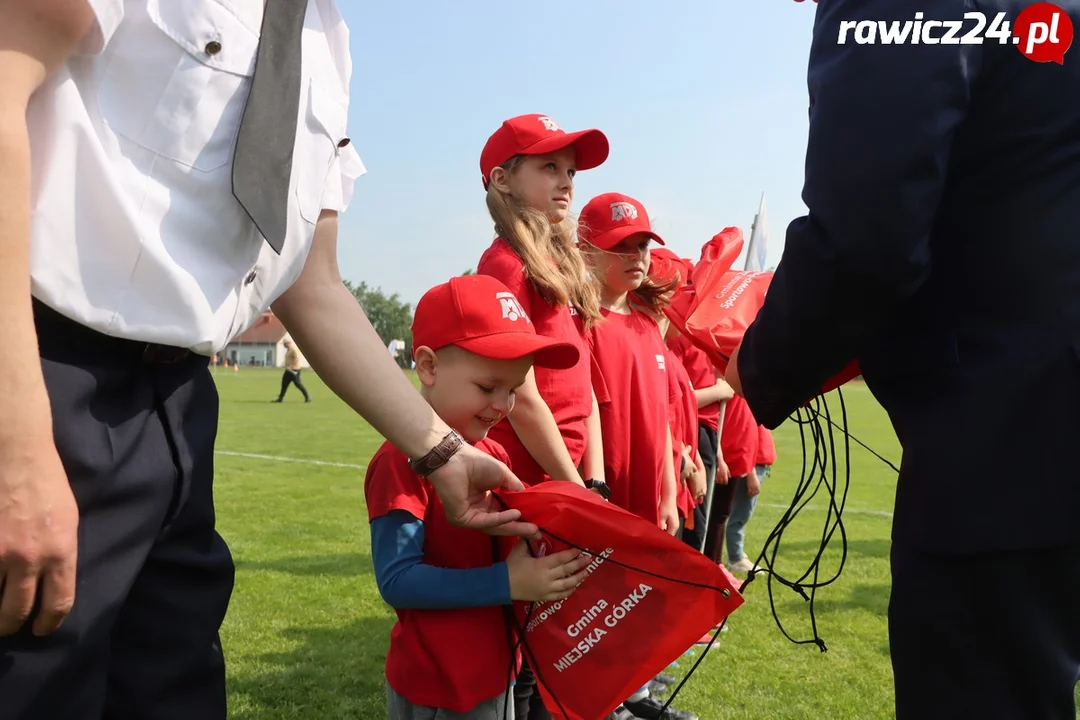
{"type": "Point", "coordinates": [438, 455]}
{"type": "Point", "coordinates": [599, 486]}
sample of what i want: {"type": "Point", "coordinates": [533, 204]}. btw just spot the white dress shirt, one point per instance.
{"type": "Point", "coordinates": [135, 231]}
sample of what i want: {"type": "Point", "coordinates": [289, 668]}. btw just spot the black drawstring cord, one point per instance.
{"type": "Point", "coordinates": [869, 449]}
{"type": "Point", "coordinates": [514, 627]}
{"type": "Point", "coordinates": [511, 617]}
{"type": "Point", "coordinates": [814, 420]}
{"type": "Point", "coordinates": [815, 467]}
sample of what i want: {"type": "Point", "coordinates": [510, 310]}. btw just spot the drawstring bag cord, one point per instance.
{"type": "Point", "coordinates": [815, 427]}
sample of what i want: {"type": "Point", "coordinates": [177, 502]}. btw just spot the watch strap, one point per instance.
{"type": "Point", "coordinates": [438, 455]}
{"type": "Point", "coordinates": [600, 486]}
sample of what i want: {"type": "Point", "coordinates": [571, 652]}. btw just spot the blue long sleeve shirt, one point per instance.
{"type": "Point", "coordinates": [405, 582]}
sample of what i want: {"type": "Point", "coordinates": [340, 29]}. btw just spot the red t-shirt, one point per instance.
{"type": "Point", "coordinates": [452, 659]}
{"type": "Point", "coordinates": [566, 392]}
{"type": "Point", "coordinates": [684, 424]}
{"type": "Point", "coordinates": [702, 375]}
{"type": "Point", "coordinates": [766, 454]}
{"type": "Point", "coordinates": [739, 438]}
{"type": "Point", "coordinates": [632, 388]}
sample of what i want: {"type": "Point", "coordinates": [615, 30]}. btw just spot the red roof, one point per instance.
{"type": "Point", "coordinates": [267, 330]}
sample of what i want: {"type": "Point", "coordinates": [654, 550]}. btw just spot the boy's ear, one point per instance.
{"type": "Point", "coordinates": [426, 362]}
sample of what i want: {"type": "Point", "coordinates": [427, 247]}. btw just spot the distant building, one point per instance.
{"type": "Point", "coordinates": [261, 345]}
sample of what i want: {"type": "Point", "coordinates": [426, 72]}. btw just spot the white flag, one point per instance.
{"type": "Point", "coordinates": [759, 241]}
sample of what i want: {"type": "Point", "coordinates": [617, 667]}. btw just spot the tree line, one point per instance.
{"type": "Point", "coordinates": [389, 315]}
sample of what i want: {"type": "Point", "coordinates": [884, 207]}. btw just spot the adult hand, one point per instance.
{"type": "Point", "coordinates": [38, 536]}
{"type": "Point", "coordinates": [464, 485]}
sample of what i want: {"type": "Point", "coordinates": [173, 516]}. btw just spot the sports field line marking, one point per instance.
{"type": "Point", "coordinates": [279, 458]}
{"type": "Point", "coordinates": [847, 511]}
{"type": "Point", "coordinates": [306, 461]}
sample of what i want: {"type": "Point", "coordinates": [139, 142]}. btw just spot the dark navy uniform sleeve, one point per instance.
{"type": "Point", "coordinates": [882, 120]}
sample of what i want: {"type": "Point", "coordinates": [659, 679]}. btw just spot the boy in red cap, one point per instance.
{"type": "Point", "coordinates": [473, 345]}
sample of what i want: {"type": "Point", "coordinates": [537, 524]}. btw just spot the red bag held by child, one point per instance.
{"type": "Point", "coordinates": [647, 598]}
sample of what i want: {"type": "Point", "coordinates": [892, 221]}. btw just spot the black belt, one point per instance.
{"type": "Point", "coordinates": [156, 354]}
{"type": "Point", "coordinates": [62, 337]}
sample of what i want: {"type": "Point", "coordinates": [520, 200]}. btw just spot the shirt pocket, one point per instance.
{"type": "Point", "coordinates": [181, 94]}
{"type": "Point", "coordinates": [320, 134]}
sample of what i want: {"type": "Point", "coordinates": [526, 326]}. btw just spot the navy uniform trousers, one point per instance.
{"type": "Point", "coordinates": [135, 428]}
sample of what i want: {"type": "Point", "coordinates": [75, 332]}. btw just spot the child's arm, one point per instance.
{"type": "Point", "coordinates": [686, 468]}
{"type": "Point", "coordinates": [699, 480]}
{"type": "Point", "coordinates": [593, 462]}
{"type": "Point", "coordinates": [535, 426]}
{"type": "Point", "coordinates": [722, 472]}
{"type": "Point", "coordinates": [405, 582]}
{"type": "Point", "coordinates": [719, 392]}
{"type": "Point", "coordinates": [397, 550]}
{"type": "Point", "coordinates": [669, 490]}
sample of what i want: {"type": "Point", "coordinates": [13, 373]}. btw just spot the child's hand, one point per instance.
{"type": "Point", "coordinates": [697, 486]}
{"type": "Point", "coordinates": [753, 484]}
{"type": "Point", "coordinates": [552, 577]}
{"type": "Point", "coordinates": [722, 472]}
{"type": "Point", "coordinates": [689, 468]}
{"type": "Point", "coordinates": [669, 518]}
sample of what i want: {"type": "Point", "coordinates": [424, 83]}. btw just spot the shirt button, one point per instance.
{"type": "Point", "coordinates": [213, 47]}
{"type": "Point", "coordinates": [250, 277]}
{"type": "Point", "coordinates": [343, 142]}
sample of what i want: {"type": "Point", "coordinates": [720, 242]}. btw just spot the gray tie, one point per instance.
{"type": "Point", "coordinates": [262, 164]}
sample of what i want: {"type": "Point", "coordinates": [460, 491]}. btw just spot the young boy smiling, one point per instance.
{"type": "Point", "coordinates": [473, 347]}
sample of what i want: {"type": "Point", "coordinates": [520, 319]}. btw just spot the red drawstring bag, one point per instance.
{"type": "Point", "coordinates": [587, 651]}
{"type": "Point", "coordinates": [719, 305]}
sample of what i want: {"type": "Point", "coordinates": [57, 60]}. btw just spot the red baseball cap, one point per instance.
{"type": "Point", "coordinates": [608, 219]}
{"type": "Point", "coordinates": [481, 315]}
{"type": "Point", "coordinates": [536, 135]}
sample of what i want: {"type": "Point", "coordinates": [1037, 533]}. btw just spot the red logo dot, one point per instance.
{"type": "Point", "coordinates": [1043, 33]}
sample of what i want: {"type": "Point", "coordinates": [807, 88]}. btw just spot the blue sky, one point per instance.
{"type": "Point", "coordinates": [704, 103]}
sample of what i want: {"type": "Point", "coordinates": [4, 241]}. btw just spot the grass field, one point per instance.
{"type": "Point", "coordinates": [306, 633]}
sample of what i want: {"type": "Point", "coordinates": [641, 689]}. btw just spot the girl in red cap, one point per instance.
{"type": "Point", "coordinates": [528, 167]}
{"type": "Point", "coordinates": [630, 375]}
{"type": "Point", "coordinates": [631, 378]}
{"type": "Point", "coordinates": [666, 267]}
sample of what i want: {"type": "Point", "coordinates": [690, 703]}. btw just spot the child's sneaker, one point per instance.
{"type": "Point", "coordinates": [621, 713]}
{"type": "Point", "coordinates": [745, 565]}
{"type": "Point", "coordinates": [657, 688]}
{"type": "Point", "coordinates": [735, 582]}
{"type": "Point", "coordinates": [649, 709]}
{"type": "Point", "coordinates": [708, 638]}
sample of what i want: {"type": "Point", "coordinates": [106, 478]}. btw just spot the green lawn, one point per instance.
{"type": "Point", "coordinates": [307, 631]}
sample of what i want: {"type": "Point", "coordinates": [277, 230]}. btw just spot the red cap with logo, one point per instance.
{"type": "Point", "coordinates": [610, 218]}
{"type": "Point", "coordinates": [481, 315]}
{"type": "Point", "coordinates": [539, 134]}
